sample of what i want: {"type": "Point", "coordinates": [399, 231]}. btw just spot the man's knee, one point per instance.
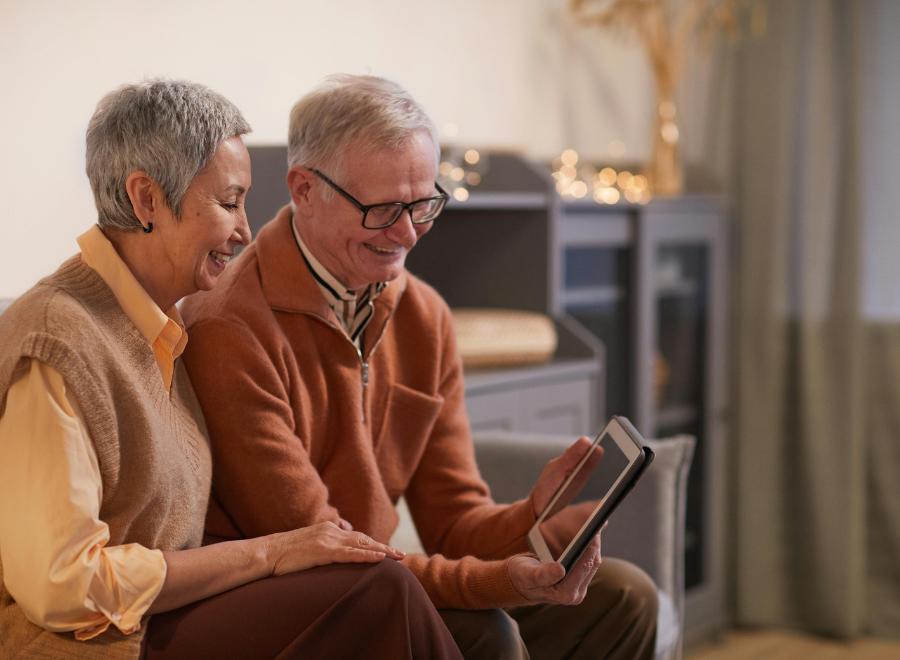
{"type": "Point", "coordinates": [485, 634]}
{"type": "Point", "coordinates": [628, 590]}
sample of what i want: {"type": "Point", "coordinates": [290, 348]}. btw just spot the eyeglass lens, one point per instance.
{"type": "Point", "coordinates": [382, 215]}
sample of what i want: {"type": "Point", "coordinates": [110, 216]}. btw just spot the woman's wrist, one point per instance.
{"type": "Point", "coordinates": [263, 554]}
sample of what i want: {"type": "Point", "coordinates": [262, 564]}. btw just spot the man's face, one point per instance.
{"type": "Point", "coordinates": [333, 229]}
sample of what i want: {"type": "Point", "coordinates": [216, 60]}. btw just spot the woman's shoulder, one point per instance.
{"type": "Point", "coordinates": [68, 308]}
{"type": "Point", "coordinates": [51, 305]}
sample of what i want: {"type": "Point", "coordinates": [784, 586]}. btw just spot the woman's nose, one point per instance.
{"type": "Point", "coordinates": [242, 229]}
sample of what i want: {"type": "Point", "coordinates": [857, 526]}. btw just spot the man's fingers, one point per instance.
{"type": "Point", "coordinates": [555, 473]}
{"type": "Point", "coordinates": [531, 577]}
{"type": "Point", "coordinates": [584, 569]}
{"type": "Point", "coordinates": [547, 574]}
{"type": "Point", "coordinates": [575, 452]}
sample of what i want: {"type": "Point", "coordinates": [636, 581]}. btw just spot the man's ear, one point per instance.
{"type": "Point", "coordinates": [145, 196]}
{"type": "Point", "coordinates": [299, 182]}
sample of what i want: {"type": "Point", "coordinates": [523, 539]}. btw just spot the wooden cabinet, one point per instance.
{"type": "Point", "coordinates": [561, 397]}
{"type": "Point", "coordinates": [496, 250]}
{"type": "Point", "coordinates": [650, 283]}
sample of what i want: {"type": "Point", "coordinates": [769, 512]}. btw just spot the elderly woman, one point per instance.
{"type": "Point", "coordinates": [104, 462]}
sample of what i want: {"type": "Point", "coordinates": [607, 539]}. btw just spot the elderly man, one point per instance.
{"type": "Point", "coordinates": [331, 386]}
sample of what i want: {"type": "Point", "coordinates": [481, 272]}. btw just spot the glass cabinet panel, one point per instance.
{"type": "Point", "coordinates": [596, 294]}
{"type": "Point", "coordinates": [681, 288]}
{"type": "Point", "coordinates": [650, 282]}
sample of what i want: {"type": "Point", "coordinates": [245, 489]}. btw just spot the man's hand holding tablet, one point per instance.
{"type": "Point", "coordinates": [573, 498]}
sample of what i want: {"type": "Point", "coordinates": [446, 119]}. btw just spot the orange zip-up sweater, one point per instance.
{"type": "Point", "coordinates": [305, 429]}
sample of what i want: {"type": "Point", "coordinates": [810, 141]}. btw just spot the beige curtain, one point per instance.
{"type": "Point", "coordinates": [883, 472]}
{"type": "Point", "coordinates": [815, 440]}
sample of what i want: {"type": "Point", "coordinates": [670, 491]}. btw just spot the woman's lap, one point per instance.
{"type": "Point", "coordinates": [339, 610]}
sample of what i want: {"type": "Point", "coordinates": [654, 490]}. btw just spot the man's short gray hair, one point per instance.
{"type": "Point", "coordinates": [345, 110]}
{"type": "Point", "coordinates": [166, 128]}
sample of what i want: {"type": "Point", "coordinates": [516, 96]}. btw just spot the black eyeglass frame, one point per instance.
{"type": "Point", "coordinates": [402, 206]}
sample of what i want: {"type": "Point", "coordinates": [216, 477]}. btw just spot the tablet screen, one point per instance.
{"type": "Point", "coordinates": [575, 506]}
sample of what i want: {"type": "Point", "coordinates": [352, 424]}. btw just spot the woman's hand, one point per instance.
{"type": "Point", "coordinates": [209, 570]}
{"type": "Point", "coordinates": [323, 543]}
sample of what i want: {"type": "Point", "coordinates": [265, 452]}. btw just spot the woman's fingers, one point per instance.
{"type": "Point", "coordinates": [326, 543]}
{"type": "Point", "coordinates": [365, 542]}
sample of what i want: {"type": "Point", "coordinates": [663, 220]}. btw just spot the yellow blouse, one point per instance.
{"type": "Point", "coordinates": [53, 545]}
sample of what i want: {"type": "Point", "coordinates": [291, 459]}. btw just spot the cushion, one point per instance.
{"type": "Point", "coordinates": [503, 337]}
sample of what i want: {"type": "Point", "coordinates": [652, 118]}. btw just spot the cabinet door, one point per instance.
{"type": "Point", "coordinates": [493, 411]}
{"type": "Point", "coordinates": [681, 292]}
{"type": "Point", "coordinates": [558, 408]}
{"type": "Point", "coordinates": [679, 379]}
{"type": "Point", "coordinates": [563, 407]}
{"type": "Point", "coordinates": [596, 278]}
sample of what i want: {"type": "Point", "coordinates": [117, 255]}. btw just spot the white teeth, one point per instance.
{"type": "Point", "coordinates": [375, 248]}
{"type": "Point", "coordinates": [218, 256]}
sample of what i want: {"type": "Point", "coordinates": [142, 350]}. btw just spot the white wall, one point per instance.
{"type": "Point", "coordinates": [880, 160]}
{"type": "Point", "coordinates": [509, 73]}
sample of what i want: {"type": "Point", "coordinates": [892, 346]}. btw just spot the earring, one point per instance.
{"type": "Point", "coordinates": [148, 228]}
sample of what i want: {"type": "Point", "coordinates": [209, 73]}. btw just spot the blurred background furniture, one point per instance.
{"type": "Point", "coordinates": [648, 528]}
{"type": "Point", "coordinates": [650, 281]}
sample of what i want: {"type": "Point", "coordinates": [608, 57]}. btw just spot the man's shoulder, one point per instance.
{"type": "Point", "coordinates": [423, 311]}
{"type": "Point", "coordinates": [420, 293]}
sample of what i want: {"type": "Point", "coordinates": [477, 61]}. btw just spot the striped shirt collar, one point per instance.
{"type": "Point", "coordinates": [353, 310]}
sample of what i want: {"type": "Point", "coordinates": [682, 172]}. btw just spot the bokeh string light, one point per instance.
{"type": "Point", "coordinates": [461, 168]}
{"type": "Point", "coordinates": [607, 185]}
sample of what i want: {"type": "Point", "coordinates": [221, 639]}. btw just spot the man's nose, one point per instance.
{"type": "Point", "coordinates": [403, 231]}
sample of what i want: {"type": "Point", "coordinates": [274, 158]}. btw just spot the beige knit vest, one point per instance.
{"type": "Point", "coordinates": [151, 445]}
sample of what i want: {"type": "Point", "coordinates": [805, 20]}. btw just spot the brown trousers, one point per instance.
{"type": "Point", "coordinates": [336, 611]}
{"type": "Point", "coordinates": [617, 620]}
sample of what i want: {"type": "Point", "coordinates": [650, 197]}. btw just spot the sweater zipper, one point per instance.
{"type": "Point", "coordinates": [364, 367]}
{"type": "Point", "coordinates": [364, 380]}
{"type": "Point", "coordinates": [363, 362]}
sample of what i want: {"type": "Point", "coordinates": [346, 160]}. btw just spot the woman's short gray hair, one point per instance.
{"type": "Point", "coordinates": [346, 109]}
{"type": "Point", "coordinates": [166, 128]}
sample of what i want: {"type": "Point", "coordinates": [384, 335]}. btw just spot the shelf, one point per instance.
{"type": "Point", "coordinates": [485, 380]}
{"type": "Point", "coordinates": [504, 201]}
{"type": "Point", "coordinates": [594, 295]}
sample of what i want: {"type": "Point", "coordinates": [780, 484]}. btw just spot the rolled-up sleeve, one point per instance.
{"type": "Point", "coordinates": [53, 545]}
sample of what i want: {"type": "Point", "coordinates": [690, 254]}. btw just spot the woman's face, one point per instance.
{"type": "Point", "coordinates": [199, 245]}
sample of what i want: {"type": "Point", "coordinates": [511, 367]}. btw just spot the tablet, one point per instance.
{"type": "Point", "coordinates": [576, 512]}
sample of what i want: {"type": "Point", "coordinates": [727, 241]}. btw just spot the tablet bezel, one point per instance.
{"type": "Point", "coordinates": [630, 443]}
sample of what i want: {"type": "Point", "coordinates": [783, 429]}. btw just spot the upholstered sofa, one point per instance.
{"type": "Point", "coordinates": [648, 528]}
{"type": "Point", "coordinates": [652, 536]}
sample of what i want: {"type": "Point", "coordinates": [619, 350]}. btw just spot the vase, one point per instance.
{"type": "Point", "coordinates": [664, 171]}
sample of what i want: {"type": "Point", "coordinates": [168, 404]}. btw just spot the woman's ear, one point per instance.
{"type": "Point", "coordinates": [144, 194]}
{"type": "Point", "coordinates": [299, 181]}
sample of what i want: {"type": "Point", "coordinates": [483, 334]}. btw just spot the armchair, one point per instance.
{"type": "Point", "coordinates": [653, 538]}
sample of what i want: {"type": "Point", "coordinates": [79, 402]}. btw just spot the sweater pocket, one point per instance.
{"type": "Point", "coordinates": [409, 416]}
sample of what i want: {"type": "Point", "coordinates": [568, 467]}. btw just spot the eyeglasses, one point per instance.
{"type": "Point", "coordinates": [380, 216]}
